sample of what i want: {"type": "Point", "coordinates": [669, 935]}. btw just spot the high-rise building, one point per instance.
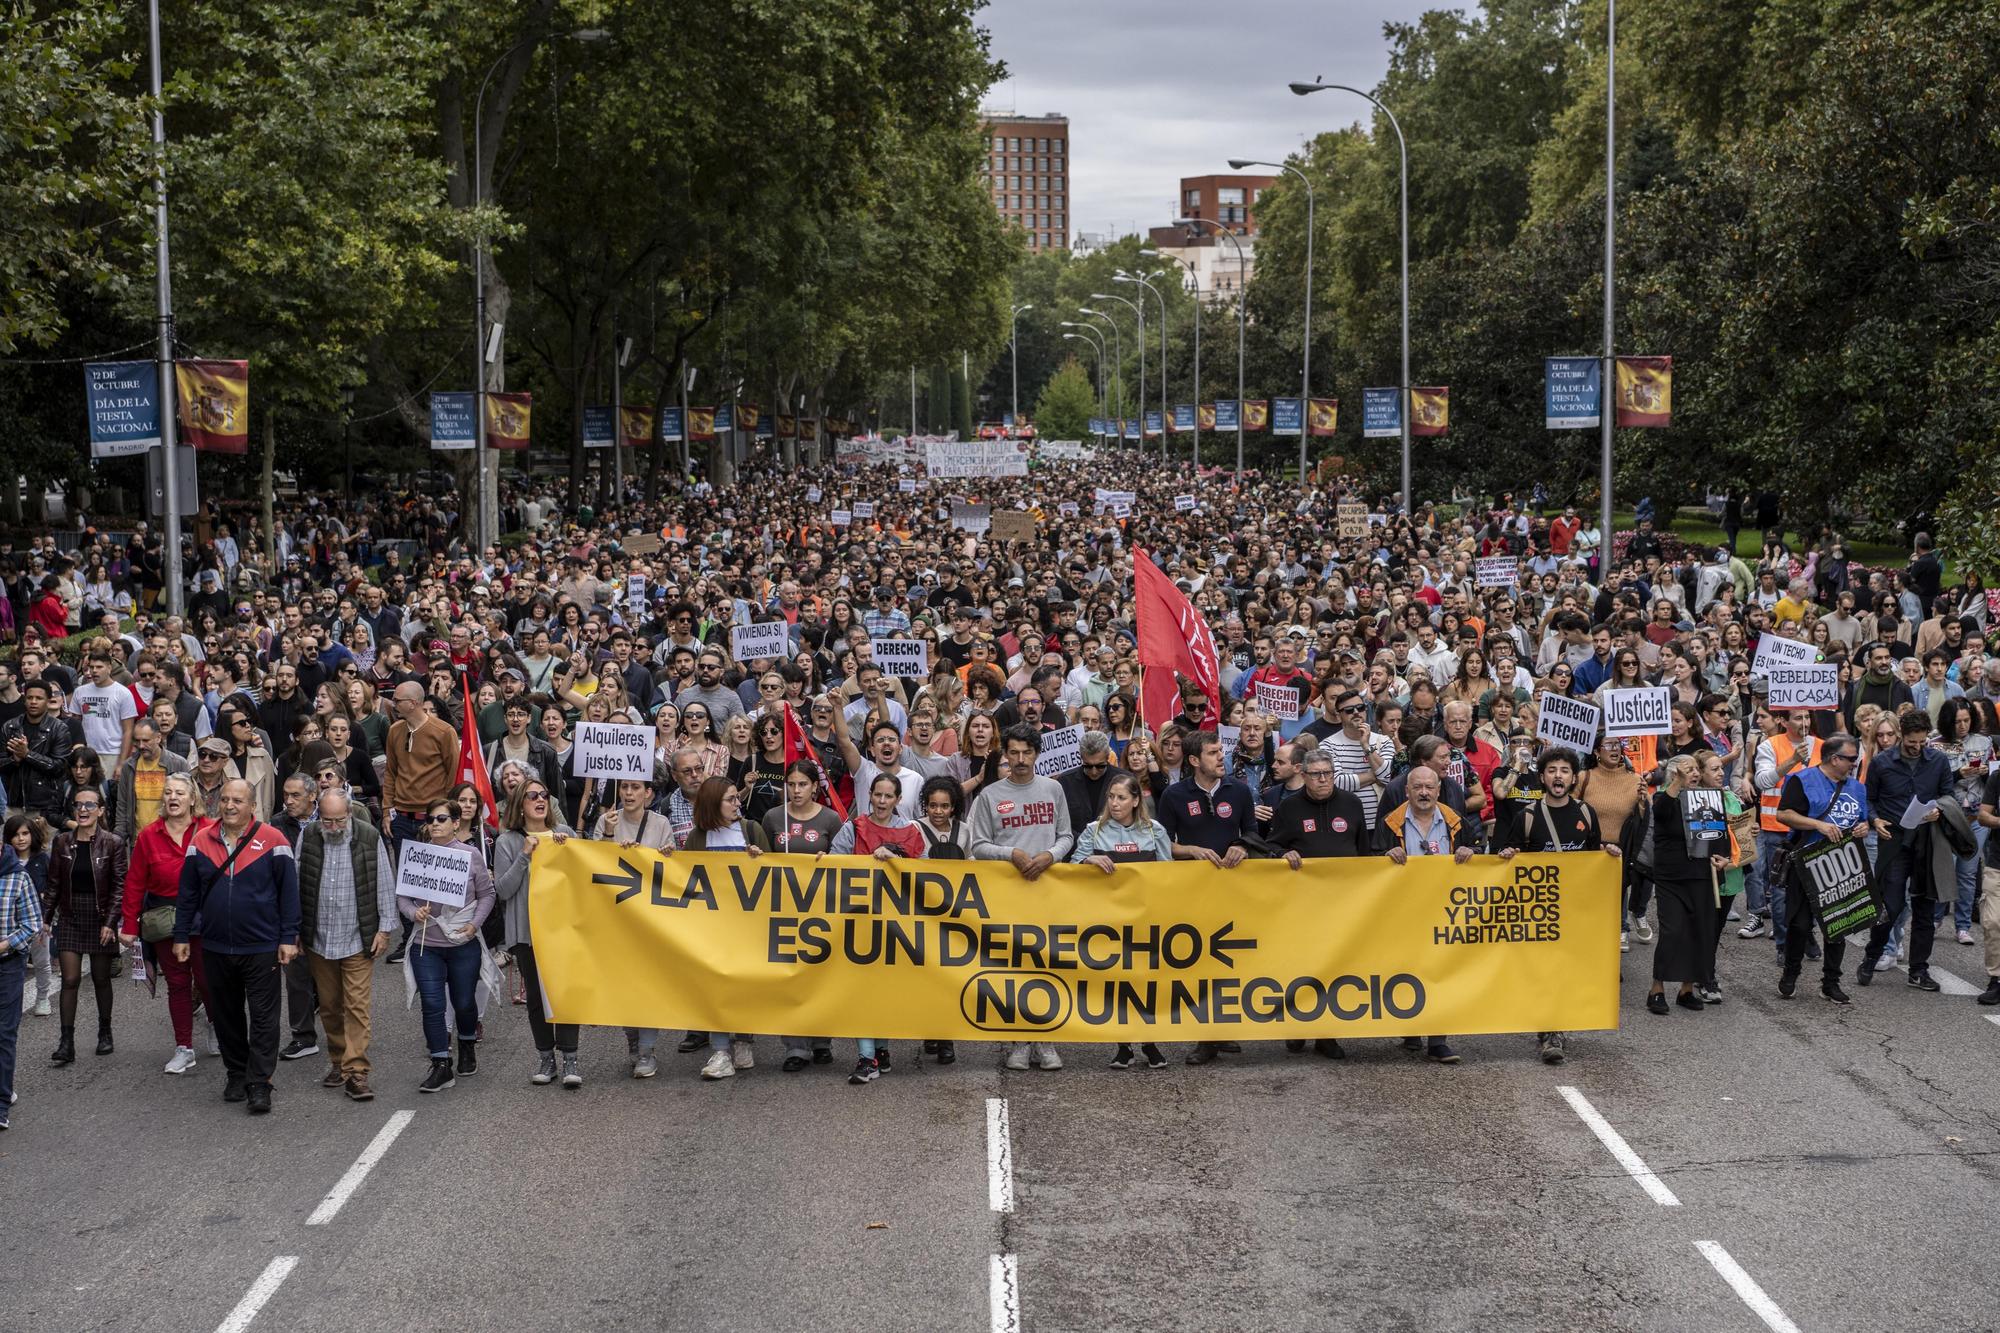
{"type": "Point", "coordinates": [1027, 171]}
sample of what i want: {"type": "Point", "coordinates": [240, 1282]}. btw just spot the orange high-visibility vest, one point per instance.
{"type": "Point", "coordinates": [1767, 801]}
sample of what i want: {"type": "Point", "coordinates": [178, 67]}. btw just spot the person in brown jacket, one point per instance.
{"type": "Point", "coordinates": [422, 755]}
{"type": "Point", "coordinates": [81, 900]}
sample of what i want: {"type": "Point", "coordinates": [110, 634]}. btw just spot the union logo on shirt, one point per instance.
{"type": "Point", "coordinates": [1222, 810]}
{"type": "Point", "coordinates": [1340, 823]}
{"type": "Point", "coordinates": [1004, 807]}
{"type": "Point", "coordinates": [1309, 825]}
{"type": "Point", "coordinates": [1194, 809]}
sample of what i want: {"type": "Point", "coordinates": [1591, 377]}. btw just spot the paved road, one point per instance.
{"type": "Point", "coordinates": [1842, 1166]}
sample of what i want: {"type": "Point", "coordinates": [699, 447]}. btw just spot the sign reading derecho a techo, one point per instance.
{"type": "Point", "coordinates": [971, 950]}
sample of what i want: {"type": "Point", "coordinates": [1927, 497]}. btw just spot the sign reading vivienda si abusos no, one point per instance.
{"type": "Point", "coordinates": [971, 949]}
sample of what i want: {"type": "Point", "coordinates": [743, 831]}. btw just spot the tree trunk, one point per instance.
{"type": "Point", "coordinates": [270, 457]}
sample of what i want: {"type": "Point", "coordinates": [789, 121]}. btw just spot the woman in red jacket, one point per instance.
{"type": "Point", "coordinates": [47, 612]}
{"type": "Point", "coordinates": [152, 878]}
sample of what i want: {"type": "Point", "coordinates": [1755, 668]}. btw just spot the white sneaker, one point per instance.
{"type": "Point", "coordinates": [1965, 937]}
{"type": "Point", "coordinates": [719, 1066]}
{"type": "Point", "coordinates": [1642, 930]}
{"type": "Point", "coordinates": [211, 1045]}
{"type": "Point", "coordinates": [42, 1009]}
{"type": "Point", "coordinates": [183, 1060]}
{"type": "Point", "coordinates": [1624, 941]}
{"type": "Point", "coordinates": [1017, 1055]}
{"type": "Point", "coordinates": [1045, 1055]}
{"type": "Point", "coordinates": [741, 1054]}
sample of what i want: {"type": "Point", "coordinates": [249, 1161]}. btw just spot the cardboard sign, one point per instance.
{"type": "Point", "coordinates": [908, 658]}
{"type": "Point", "coordinates": [1813, 686]}
{"type": "Point", "coordinates": [1644, 712]}
{"type": "Point", "coordinates": [1183, 504]}
{"type": "Point", "coordinates": [646, 543]}
{"type": "Point", "coordinates": [1062, 750]}
{"type": "Point", "coordinates": [864, 509]}
{"type": "Point", "coordinates": [1279, 701]}
{"type": "Point", "coordinates": [1566, 721]}
{"type": "Point", "coordinates": [434, 874]}
{"type": "Point", "coordinates": [1774, 651]}
{"type": "Point", "coordinates": [612, 750]}
{"type": "Point", "coordinates": [1497, 571]}
{"type": "Point", "coordinates": [840, 518]}
{"type": "Point", "coordinates": [1013, 525]}
{"type": "Point", "coordinates": [772, 639]}
{"type": "Point", "coordinates": [1353, 520]}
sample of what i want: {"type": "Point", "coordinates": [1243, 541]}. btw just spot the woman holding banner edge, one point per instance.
{"type": "Point", "coordinates": [529, 817]}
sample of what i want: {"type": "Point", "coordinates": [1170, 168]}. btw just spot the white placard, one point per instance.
{"type": "Point", "coordinates": [1774, 651]}
{"type": "Point", "coordinates": [1068, 509]}
{"type": "Point", "coordinates": [1121, 509]}
{"type": "Point", "coordinates": [1229, 738]}
{"type": "Point", "coordinates": [1062, 750]}
{"type": "Point", "coordinates": [1498, 571]}
{"type": "Point", "coordinates": [1566, 721]}
{"type": "Point", "coordinates": [840, 518]}
{"type": "Point", "coordinates": [1279, 701]}
{"type": "Point", "coordinates": [434, 874]}
{"type": "Point", "coordinates": [908, 658]}
{"type": "Point", "coordinates": [1183, 504]}
{"type": "Point", "coordinates": [1109, 498]}
{"type": "Point", "coordinates": [812, 495]}
{"type": "Point", "coordinates": [864, 509]}
{"type": "Point", "coordinates": [907, 486]}
{"type": "Point", "coordinates": [972, 518]}
{"type": "Point", "coordinates": [612, 750]}
{"type": "Point", "coordinates": [976, 458]}
{"type": "Point", "coordinates": [1644, 712]}
{"type": "Point", "coordinates": [635, 591]}
{"type": "Point", "coordinates": [771, 639]}
{"type": "Point", "coordinates": [1813, 685]}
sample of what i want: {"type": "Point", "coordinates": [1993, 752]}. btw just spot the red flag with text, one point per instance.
{"type": "Point", "coordinates": [1172, 638]}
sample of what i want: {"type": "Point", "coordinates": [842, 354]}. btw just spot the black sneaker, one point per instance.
{"type": "Point", "coordinates": [1831, 990]}
{"type": "Point", "coordinates": [233, 1088]}
{"type": "Point", "coordinates": [1788, 985]}
{"type": "Point", "coordinates": [1122, 1058]}
{"type": "Point", "coordinates": [882, 1057]}
{"type": "Point", "coordinates": [468, 1056]}
{"type": "Point", "coordinates": [695, 1041]}
{"type": "Point", "coordinates": [1329, 1048]}
{"type": "Point", "coordinates": [298, 1048]}
{"type": "Point", "coordinates": [1812, 951]}
{"type": "Point", "coordinates": [1656, 1003]}
{"type": "Point", "coordinates": [1204, 1053]}
{"type": "Point", "coordinates": [1864, 973]}
{"type": "Point", "coordinates": [865, 1071]}
{"type": "Point", "coordinates": [1295, 1047]}
{"type": "Point", "coordinates": [1229, 1047]}
{"type": "Point", "coordinates": [1922, 981]}
{"type": "Point", "coordinates": [1991, 995]}
{"type": "Point", "coordinates": [1154, 1059]}
{"type": "Point", "coordinates": [439, 1078]}
{"type": "Point", "coordinates": [1442, 1054]}
{"type": "Point", "coordinates": [259, 1097]}
{"type": "Point", "coordinates": [930, 1048]}
{"type": "Point", "coordinates": [947, 1053]}
{"type": "Point", "coordinates": [794, 1063]}
{"type": "Point", "coordinates": [822, 1055]}
{"type": "Point", "coordinates": [395, 958]}
{"type": "Point", "coordinates": [1689, 1000]}
{"type": "Point", "coordinates": [1414, 1045]}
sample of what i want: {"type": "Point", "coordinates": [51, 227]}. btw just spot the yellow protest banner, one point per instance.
{"type": "Point", "coordinates": [972, 950]}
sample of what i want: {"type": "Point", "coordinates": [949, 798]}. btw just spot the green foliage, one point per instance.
{"type": "Point", "coordinates": [1066, 405]}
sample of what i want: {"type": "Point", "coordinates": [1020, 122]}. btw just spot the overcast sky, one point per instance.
{"type": "Point", "coordinates": [1168, 88]}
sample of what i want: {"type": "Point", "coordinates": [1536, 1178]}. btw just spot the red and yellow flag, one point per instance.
{"type": "Point", "coordinates": [701, 423]}
{"type": "Point", "coordinates": [214, 405]}
{"type": "Point", "coordinates": [748, 415]}
{"type": "Point", "coordinates": [809, 428]}
{"type": "Point", "coordinates": [1430, 410]}
{"type": "Point", "coordinates": [1257, 414]}
{"type": "Point", "coordinates": [839, 427]}
{"type": "Point", "coordinates": [1645, 390]}
{"type": "Point", "coordinates": [1323, 415]}
{"type": "Point", "coordinates": [507, 418]}
{"type": "Point", "coordinates": [1205, 414]}
{"type": "Point", "coordinates": [788, 426]}
{"type": "Point", "coordinates": [636, 425]}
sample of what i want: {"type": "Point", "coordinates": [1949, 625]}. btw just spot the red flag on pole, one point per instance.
{"type": "Point", "coordinates": [1172, 637]}
{"type": "Point", "coordinates": [472, 759]}
{"type": "Point", "coordinates": [798, 745]}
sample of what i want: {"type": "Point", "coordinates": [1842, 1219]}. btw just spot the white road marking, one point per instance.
{"type": "Point", "coordinates": [1952, 984]}
{"type": "Point", "coordinates": [1614, 1143]}
{"type": "Point", "coordinates": [343, 1189]}
{"type": "Point", "coordinates": [1004, 1295]}
{"type": "Point", "coordinates": [1993, 1018]}
{"type": "Point", "coordinates": [262, 1290]}
{"type": "Point", "coordinates": [999, 1157]}
{"type": "Point", "coordinates": [1746, 1287]}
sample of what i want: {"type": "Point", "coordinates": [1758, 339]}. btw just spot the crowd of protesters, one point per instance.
{"type": "Point", "coordinates": [221, 797]}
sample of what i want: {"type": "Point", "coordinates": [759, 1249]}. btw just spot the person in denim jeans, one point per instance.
{"type": "Point", "coordinates": [445, 954]}
{"type": "Point", "coordinates": [20, 921]}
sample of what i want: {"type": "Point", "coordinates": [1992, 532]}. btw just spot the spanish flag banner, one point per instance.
{"type": "Point", "coordinates": [747, 416]}
{"type": "Point", "coordinates": [635, 424]}
{"type": "Point", "coordinates": [1430, 410]}
{"type": "Point", "coordinates": [701, 423]}
{"type": "Point", "coordinates": [1645, 390]}
{"type": "Point", "coordinates": [809, 428]}
{"type": "Point", "coordinates": [788, 426]}
{"type": "Point", "coordinates": [1207, 416]}
{"type": "Point", "coordinates": [214, 398]}
{"type": "Point", "coordinates": [507, 417]}
{"type": "Point", "coordinates": [1323, 415]}
{"type": "Point", "coordinates": [839, 427]}
{"type": "Point", "coordinates": [1256, 413]}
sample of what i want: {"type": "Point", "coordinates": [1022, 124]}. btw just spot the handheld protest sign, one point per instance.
{"type": "Point", "coordinates": [1062, 750]}
{"type": "Point", "coordinates": [772, 639]}
{"type": "Point", "coordinates": [1643, 712]}
{"type": "Point", "coordinates": [1562, 720]}
{"type": "Point", "coordinates": [906, 658]}
{"type": "Point", "coordinates": [434, 874]}
{"type": "Point", "coordinates": [612, 750]}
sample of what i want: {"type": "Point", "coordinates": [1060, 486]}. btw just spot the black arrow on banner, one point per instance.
{"type": "Point", "coordinates": [628, 883]}
{"type": "Point", "coordinates": [1220, 945]}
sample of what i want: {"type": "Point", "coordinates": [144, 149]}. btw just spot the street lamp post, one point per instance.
{"type": "Point", "coordinates": [1139, 311]}
{"type": "Point", "coordinates": [1014, 356]}
{"type": "Point", "coordinates": [166, 392]}
{"type": "Point", "coordinates": [1403, 156]}
{"type": "Point", "coordinates": [1242, 295]}
{"type": "Point", "coordinates": [1195, 279]}
{"type": "Point", "coordinates": [1096, 340]}
{"type": "Point", "coordinates": [1306, 373]}
{"type": "Point", "coordinates": [1117, 357]}
{"type": "Point", "coordinates": [487, 526]}
{"type": "Point", "coordinates": [1142, 280]}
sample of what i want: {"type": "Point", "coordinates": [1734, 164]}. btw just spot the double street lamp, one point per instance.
{"type": "Point", "coordinates": [1194, 280]}
{"type": "Point", "coordinates": [1139, 312]}
{"type": "Point", "coordinates": [1091, 338]}
{"type": "Point", "coordinates": [1117, 353]}
{"type": "Point", "coordinates": [1403, 154]}
{"type": "Point", "coordinates": [1014, 343]}
{"type": "Point", "coordinates": [1143, 279]}
{"type": "Point", "coordinates": [1306, 374]}
{"type": "Point", "coordinates": [1242, 295]}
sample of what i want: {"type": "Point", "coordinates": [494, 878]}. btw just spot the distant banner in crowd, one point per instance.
{"type": "Point", "coordinates": [972, 518]}
{"type": "Point", "coordinates": [865, 450]}
{"type": "Point", "coordinates": [214, 405]}
{"type": "Point", "coordinates": [1430, 410]}
{"type": "Point", "coordinates": [1497, 571]}
{"type": "Point", "coordinates": [1645, 390]}
{"type": "Point", "coordinates": [598, 430]}
{"type": "Point", "coordinates": [636, 425]}
{"type": "Point", "coordinates": [123, 398]}
{"type": "Point", "coordinates": [1063, 451]}
{"type": "Point", "coordinates": [1256, 414]}
{"type": "Point", "coordinates": [725, 418]}
{"type": "Point", "coordinates": [1226, 415]}
{"type": "Point", "coordinates": [1381, 414]}
{"type": "Point", "coordinates": [1573, 392]}
{"type": "Point", "coordinates": [976, 458]}
{"type": "Point", "coordinates": [1183, 417]}
{"type": "Point", "coordinates": [453, 424]}
{"type": "Point", "coordinates": [1323, 416]}
{"type": "Point", "coordinates": [971, 950]}
{"type": "Point", "coordinates": [508, 416]}
{"type": "Point", "coordinates": [1287, 417]}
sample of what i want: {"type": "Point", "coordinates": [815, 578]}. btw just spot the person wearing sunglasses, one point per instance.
{"type": "Point", "coordinates": [445, 953]}
{"type": "Point", "coordinates": [528, 819]}
{"type": "Point", "coordinates": [81, 901]}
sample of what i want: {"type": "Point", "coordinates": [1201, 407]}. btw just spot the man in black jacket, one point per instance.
{"type": "Point", "coordinates": [1083, 787]}
{"type": "Point", "coordinates": [34, 752]}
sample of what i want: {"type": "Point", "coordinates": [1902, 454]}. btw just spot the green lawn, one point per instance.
{"type": "Point", "coordinates": [1699, 527]}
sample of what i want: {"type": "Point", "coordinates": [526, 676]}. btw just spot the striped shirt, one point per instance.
{"type": "Point", "coordinates": [1352, 758]}
{"type": "Point", "coordinates": [20, 909]}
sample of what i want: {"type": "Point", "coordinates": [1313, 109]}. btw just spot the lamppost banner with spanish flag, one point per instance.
{"type": "Point", "coordinates": [1159, 951]}
{"type": "Point", "coordinates": [1645, 390]}
{"type": "Point", "coordinates": [1323, 416]}
{"type": "Point", "coordinates": [508, 416]}
{"type": "Point", "coordinates": [214, 405]}
{"type": "Point", "coordinates": [1430, 410]}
